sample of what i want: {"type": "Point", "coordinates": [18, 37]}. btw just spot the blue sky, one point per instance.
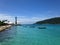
{"type": "Point", "coordinates": [30, 11]}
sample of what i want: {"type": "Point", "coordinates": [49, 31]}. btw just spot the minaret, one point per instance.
{"type": "Point", "coordinates": [15, 20]}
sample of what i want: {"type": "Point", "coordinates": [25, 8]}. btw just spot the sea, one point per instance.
{"type": "Point", "coordinates": [31, 34]}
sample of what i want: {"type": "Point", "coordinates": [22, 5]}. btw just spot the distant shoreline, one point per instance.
{"type": "Point", "coordinates": [2, 28]}
{"type": "Point", "coordinates": [55, 20]}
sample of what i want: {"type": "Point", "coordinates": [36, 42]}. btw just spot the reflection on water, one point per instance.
{"type": "Point", "coordinates": [31, 35]}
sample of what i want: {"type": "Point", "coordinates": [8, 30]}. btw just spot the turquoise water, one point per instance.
{"type": "Point", "coordinates": [31, 35]}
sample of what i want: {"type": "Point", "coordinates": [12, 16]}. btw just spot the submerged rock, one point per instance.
{"type": "Point", "coordinates": [41, 27]}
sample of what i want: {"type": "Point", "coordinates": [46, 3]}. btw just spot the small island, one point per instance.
{"type": "Point", "coordinates": [55, 20]}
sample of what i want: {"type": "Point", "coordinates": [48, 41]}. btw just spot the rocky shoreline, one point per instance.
{"type": "Point", "coordinates": [2, 28]}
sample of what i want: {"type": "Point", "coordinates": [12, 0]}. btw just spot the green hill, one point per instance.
{"type": "Point", "coordinates": [55, 20]}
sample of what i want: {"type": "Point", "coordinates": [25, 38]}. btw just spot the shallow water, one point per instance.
{"type": "Point", "coordinates": [31, 35]}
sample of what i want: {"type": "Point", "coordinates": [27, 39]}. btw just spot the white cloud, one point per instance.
{"type": "Point", "coordinates": [6, 17]}
{"type": "Point", "coordinates": [21, 19]}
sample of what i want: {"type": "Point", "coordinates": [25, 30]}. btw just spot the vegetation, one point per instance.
{"type": "Point", "coordinates": [3, 22]}
{"type": "Point", "coordinates": [55, 20]}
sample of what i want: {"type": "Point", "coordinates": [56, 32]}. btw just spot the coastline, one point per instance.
{"type": "Point", "coordinates": [2, 28]}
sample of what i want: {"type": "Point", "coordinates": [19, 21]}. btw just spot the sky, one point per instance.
{"type": "Point", "coordinates": [29, 11]}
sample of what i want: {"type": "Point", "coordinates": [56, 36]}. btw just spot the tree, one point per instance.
{"type": "Point", "coordinates": [3, 22]}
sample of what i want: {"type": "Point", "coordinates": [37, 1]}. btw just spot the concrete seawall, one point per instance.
{"type": "Point", "coordinates": [2, 28]}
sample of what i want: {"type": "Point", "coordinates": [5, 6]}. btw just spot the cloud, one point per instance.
{"type": "Point", "coordinates": [21, 19]}
{"type": "Point", "coordinates": [6, 17]}
{"type": "Point", "coordinates": [27, 20]}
